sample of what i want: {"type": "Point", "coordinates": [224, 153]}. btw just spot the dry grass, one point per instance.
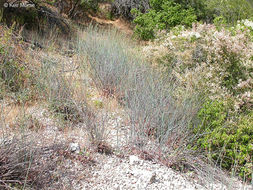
{"type": "Point", "coordinates": [23, 164]}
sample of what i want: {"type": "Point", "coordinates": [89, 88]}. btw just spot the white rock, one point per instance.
{"type": "Point", "coordinates": [134, 160]}
{"type": "Point", "coordinates": [107, 166]}
{"type": "Point", "coordinates": [74, 147]}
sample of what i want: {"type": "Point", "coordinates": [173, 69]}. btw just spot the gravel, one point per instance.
{"type": "Point", "coordinates": [117, 173]}
{"type": "Point", "coordinates": [114, 172]}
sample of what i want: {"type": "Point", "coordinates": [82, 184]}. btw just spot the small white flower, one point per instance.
{"type": "Point", "coordinates": [173, 37]}
{"type": "Point", "coordinates": [248, 23]}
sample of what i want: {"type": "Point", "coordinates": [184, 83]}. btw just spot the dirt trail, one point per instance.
{"type": "Point", "coordinates": [120, 24]}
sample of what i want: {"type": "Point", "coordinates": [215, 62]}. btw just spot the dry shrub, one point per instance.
{"type": "Point", "coordinates": [104, 148]}
{"type": "Point", "coordinates": [41, 17]}
{"type": "Point", "coordinates": [96, 126]}
{"type": "Point", "coordinates": [124, 7]}
{"type": "Point", "coordinates": [23, 164]}
{"type": "Point", "coordinates": [222, 57]}
{"type": "Point", "coordinates": [57, 89]}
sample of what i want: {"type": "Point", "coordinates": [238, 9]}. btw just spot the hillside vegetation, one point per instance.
{"type": "Point", "coordinates": [180, 88]}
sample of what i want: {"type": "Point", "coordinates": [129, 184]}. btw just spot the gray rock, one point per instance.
{"type": "Point", "coordinates": [152, 178]}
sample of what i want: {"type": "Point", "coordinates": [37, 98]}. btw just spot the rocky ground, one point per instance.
{"type": "Point", "coordinates": [113, 171]}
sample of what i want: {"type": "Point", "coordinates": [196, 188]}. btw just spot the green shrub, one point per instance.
{"type": "Point", "coordinates": [12, 73]}
{"type": "Point", "coordinates": [89, 4]}
{"type": "Point", "coordinates": [219, 22]}
{"type": "Point", "coordinates": [162, 16]}
{"type": "Point", "coordinates": [235, 70]}
{"type": "Point", "coordinates": [199, 7]}
{"type": "Point", "coordinates": [212, 116]}
{"type": "Point", "coordinates": [230, 10]}
{"type": "Point", "coordinates": [145, 25]}
{"type": "Point", "coordinates": [230, 143]}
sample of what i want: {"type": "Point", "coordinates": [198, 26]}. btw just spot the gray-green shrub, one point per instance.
{"type": "Point", "coordinates": [108, 62]}
{"type": "Point", "coordinates": [146, 93]}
